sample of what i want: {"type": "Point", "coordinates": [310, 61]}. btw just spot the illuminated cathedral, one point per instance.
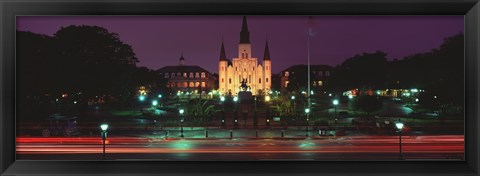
{"type": "Point", "coordinates": [244, 68]}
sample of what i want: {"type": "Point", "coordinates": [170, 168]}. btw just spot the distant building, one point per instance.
{"type": "Point", "coordinates": [245, 67]}
{"type": "Point", "coordinates": [187, 78]}
{"type": "Point", "coordinates": [297, 77]}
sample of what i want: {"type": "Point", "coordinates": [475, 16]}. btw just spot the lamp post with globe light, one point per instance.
{"type": "Point", "coordinates": [335, 103]}
{"type": "Point", "coordinates": [292, 98]}
{"type": "Point", "coordinates": [181, 111]}
{"type": "Point", "coordinates": [222, 100]}
{"type": "Point", "coordinates": [399, 126]}
{"type": "Point", "coordinates": [235, 100]}
{"type": "Point", "coordinates": [104, 128]}
{"type": "Point", "coordinates": [307, 113]}
{"type": "Point", "coordinates": [141, 98]}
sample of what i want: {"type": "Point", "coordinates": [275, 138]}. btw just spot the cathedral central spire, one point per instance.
{"type": "Point", "coordinates": [182, 60]}
{"type": "Point", "coordinates": [244, 34]}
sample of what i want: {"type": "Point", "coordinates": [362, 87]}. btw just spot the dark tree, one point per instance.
{"type": "Point", "coordinates": [93, 60]}
{"type": "Point", "coordinates": [366, 70]}
{"type": "Point", "coordinates": [439, 72]}
{"type": "Point", "coordinates": [80, 60]}
{"type": "Point", "coordinates": [34, 59]}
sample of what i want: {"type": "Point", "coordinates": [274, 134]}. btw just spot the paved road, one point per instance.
{"type": "Point", "coordinates": [319, 148]}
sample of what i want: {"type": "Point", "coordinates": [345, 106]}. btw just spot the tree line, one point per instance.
{"type": "Point", "coordinates": [79, 60]}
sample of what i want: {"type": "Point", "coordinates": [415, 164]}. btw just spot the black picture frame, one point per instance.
{"type": "Point", "coordinates": [11, 8]}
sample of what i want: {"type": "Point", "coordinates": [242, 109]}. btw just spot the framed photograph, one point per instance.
{"type": "Point", "coordinates": [239, 87]}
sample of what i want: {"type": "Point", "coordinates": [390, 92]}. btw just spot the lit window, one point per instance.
{"type": "Point", "coordinates": [314, 83]}
{"type": "Point", "coordinates": [203, 84]}
{"type": "Point", "coordinates": [286, 73]}
{"type": "Point", "coordinates": [192, 84]}
{"type": "Point", "coordinates": [320, 83]}
{"type": "Point", "coordinates": [173, 84]}
{"type": "Point", "coordinates": [166, 75]}
{"type": "Point", "coordinates": [191, 75]}
{"type": "Point", "coordinates": [185, 75]}
{"type": "Point", "coordinates": [197, 75]}
{"type": "Point", "coordinates": [203, 74]}
{"type": "Point", "coordinates": [179, 84]}
{"type": "Point", "coordinates": [185, 84]}
{"type": "Point", "coordinates": [197, 84]}
{"type": "Point", "coordinates": [286, 83]}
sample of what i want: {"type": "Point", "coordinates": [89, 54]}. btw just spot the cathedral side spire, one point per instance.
{"type": "Point", "coordinates": [223, 56]}
{"type": "Point", "coordinates": [244, 34]}
{"type": "Point", "coordinates": [266, 56]}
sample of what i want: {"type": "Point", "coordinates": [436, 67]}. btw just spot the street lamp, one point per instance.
{"type": "Point", "coordinates": [293, 106]}
{"type": "Point", "coordinates": [154, 103]}
{"type": "Point", "coordinates": [399, 126]}
{"type": "Point", "coordinates": [307, 112]}
{"type": "Point", "coordinates": [235, 99]}
{"type": "Point", "coordinates": [159, 95]}
{"type": "Point", "coordinates": [335, 103]}
{"type": "Point", "coordinates": [104, 128]}
{"type": "Point", "coordinates": [181, 111]}
{"type": "Point", "coordinates": [142, 99]}
{"type": "Point", "coordinates": [222, 99]}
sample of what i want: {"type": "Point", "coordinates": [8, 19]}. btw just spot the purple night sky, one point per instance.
{"type": "Point", "coordinates": [159, 40]}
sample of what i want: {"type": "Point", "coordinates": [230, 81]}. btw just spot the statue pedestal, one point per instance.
{"type": "Point", "coordinates": [245, 96]}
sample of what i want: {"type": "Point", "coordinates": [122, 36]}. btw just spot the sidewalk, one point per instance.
{"type": "Point", "coordinates": [217, 133]}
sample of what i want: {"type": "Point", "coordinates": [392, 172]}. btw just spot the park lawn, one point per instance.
{"type": "Point", "coordinates": [125, 113]}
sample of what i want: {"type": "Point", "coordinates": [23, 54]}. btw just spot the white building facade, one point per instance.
{"type": "Point", "coordinates": [244, 67]}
